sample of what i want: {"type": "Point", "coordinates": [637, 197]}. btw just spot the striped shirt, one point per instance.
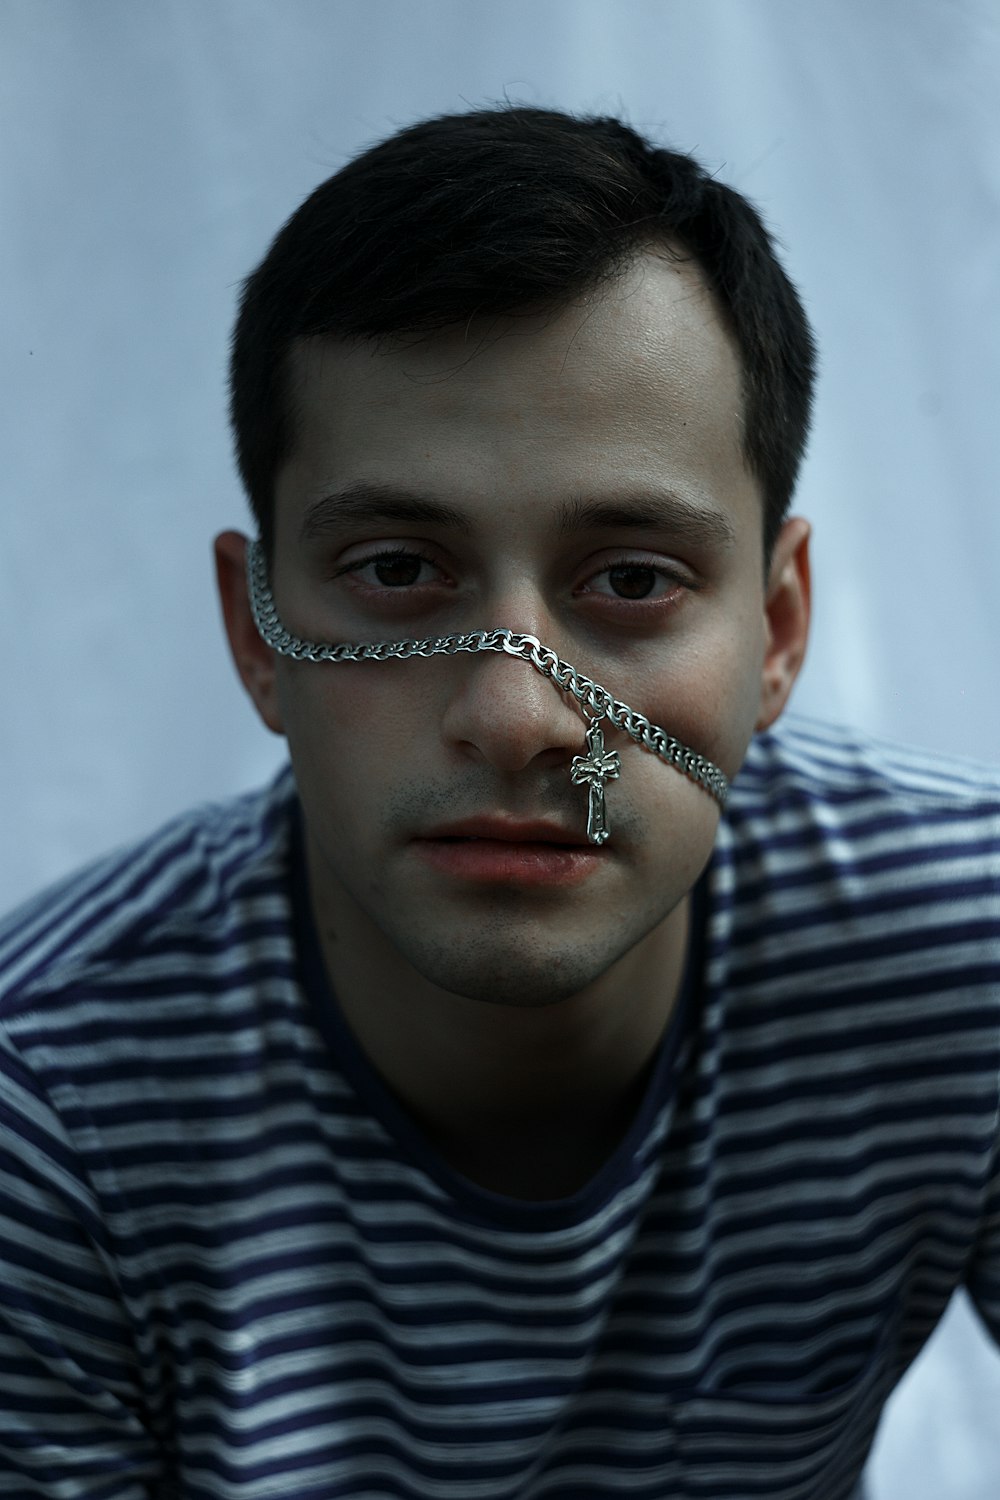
{"type": "Point", "coordinates": [231, 1268]}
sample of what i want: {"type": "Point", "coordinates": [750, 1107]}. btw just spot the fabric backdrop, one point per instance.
{"type": "Point", "coordinates": [148, 151]}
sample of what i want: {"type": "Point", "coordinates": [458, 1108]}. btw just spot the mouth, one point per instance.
{"type": "Point", "coordinates": [482, 838]}
{"type": "Point", "coordinates": [493, 828]}
{"type": "Point", "coordinates": [535, 860]}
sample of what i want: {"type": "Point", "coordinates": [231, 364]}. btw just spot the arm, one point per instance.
{"type": "Point", "coordinates": [73, 1423]}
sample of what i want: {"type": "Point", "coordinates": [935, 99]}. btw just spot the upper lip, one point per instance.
{"type": "Point", "coordinates": [507, 830]}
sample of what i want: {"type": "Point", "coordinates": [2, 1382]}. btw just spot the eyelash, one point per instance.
{"type": "Point", "coordinates": [667, 575]}
{"type": "Point", "coordinates": [388, 554]}
{"type": "Point", "coordinates": [393, 554]}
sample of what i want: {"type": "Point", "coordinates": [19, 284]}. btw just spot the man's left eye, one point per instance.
{"type": "Point", "coordinates": [632, 580]}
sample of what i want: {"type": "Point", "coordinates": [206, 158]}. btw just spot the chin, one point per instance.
{"type": "Point", "coordinates": [523, 981]}
{"type": "Point", "coordinates": [536, 994]}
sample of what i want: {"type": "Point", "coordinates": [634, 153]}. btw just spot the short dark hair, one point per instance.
{"type": "Point", "coordinates": [496, 211]}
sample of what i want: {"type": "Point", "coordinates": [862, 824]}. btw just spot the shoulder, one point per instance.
{"type": "Point", "coordinates": [811, 784]}
{"type": "Point", "coordinates": [805, 761]}
{"type": "Point", "coordinates": [862, 864]}
{"type": "Point", "coordinates": [186, 885]}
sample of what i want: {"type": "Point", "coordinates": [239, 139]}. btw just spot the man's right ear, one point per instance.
{"type": "Point", "coordinates": [254, 660]}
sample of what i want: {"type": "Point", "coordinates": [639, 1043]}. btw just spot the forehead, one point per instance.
{"type": "Point", "coordinates": [635, 385]}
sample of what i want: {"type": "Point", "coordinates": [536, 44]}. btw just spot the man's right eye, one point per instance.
{"type": "Point", "coordinates": [397, 568]}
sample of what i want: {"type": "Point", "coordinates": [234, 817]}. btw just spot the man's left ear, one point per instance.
{"type": "Point", "coordinates": [786, 616]}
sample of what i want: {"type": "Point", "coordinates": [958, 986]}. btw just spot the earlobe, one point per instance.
{"type": "Point", "coordinates": [254, 661]}
{"type": "Point", "coordinates": [786, 611]}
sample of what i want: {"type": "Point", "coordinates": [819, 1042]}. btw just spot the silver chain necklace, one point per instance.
{"type": "Point", "coordinates": [591, 770]}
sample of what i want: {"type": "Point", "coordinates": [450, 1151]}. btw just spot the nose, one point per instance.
{"type": "Point", "coordinates": [507, 715]}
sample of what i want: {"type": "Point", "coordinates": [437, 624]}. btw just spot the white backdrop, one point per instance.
{"type": "Point", "coordinates": [148, 151]}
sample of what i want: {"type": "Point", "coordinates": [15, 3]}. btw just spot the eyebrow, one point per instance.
{"type": "Point", "coordinates": [699, 525]}
{"type": "Point", "coordinates": [377, 502]}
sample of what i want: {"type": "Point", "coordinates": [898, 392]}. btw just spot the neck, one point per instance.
{"type": "Point", "coordinates": [527, 1101]}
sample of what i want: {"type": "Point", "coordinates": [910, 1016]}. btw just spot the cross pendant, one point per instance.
{"type": "Point", "coordinates": [593, 770]}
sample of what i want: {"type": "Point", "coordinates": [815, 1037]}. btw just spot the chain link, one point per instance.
{"type": "Point", "coordinates": [592, 697]}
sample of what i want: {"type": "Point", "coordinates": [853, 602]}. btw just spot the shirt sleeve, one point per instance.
{"type": "Point", "coordinates": [72, 1420]}
{"type": "Point", "coordinates": [983, 1275]}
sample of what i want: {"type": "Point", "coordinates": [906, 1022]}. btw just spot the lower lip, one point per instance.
{"type": "Point", "coordinates": [498, 862]}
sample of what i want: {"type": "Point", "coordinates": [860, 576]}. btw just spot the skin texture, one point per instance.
{"type": "Point", "coordinates": [518, 1023]}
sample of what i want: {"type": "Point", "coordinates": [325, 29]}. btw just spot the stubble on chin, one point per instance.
{"type": "Point", "coordinates": [505, 947]}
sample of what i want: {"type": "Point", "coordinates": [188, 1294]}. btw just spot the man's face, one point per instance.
{"type": "Point", "coordinates": [591, 462]}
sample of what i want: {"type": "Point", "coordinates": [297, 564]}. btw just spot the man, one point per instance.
{"type": "Point", "coordinates": [559, 1082]}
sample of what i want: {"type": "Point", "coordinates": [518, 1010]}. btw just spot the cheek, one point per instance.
{"type": "Point", "coordinates": [712, 692]}
{"type": "Point", "coordinates": [350, 728]}
{"type": "Point", "coordinates": [671, 829]}
{"type": "Point", "coordinates": [328, 726]}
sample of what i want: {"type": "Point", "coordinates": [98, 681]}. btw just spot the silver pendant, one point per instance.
{"type": "Point", "coordinates": [593, 770]}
